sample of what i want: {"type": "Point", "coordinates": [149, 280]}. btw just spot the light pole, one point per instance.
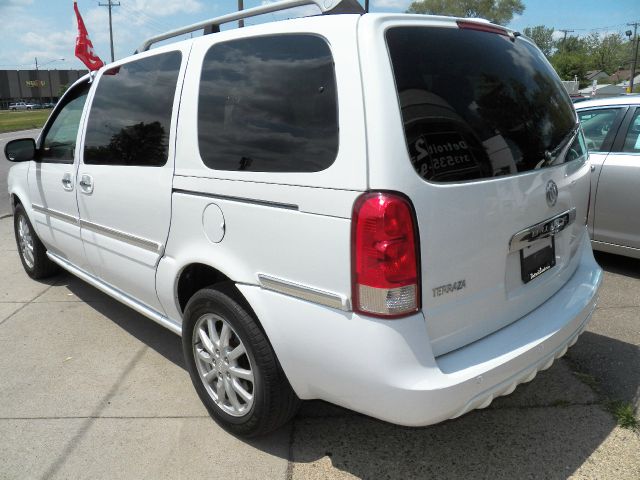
{"type": "Point", "coordinates": [48, 74]}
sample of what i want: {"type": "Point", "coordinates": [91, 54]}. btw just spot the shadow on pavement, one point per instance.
{"type": "Point", "coordinates": [502, 442]}
{"type": "Point", "coordinates": [627, 266]}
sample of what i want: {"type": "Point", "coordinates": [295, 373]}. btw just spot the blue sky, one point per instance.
{"type": "Point", "coordinates": [46, 29]}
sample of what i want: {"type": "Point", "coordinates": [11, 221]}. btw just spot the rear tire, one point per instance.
{"type": "Point", "coordinates": [33, 253]}
{"type": "Point", "coordinates": [233, 367]}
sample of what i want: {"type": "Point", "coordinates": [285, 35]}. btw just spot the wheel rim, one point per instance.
{"type": "Point", "coordinates": [223, 365]}
{"type": "Point", "coordinates": [25, 241]}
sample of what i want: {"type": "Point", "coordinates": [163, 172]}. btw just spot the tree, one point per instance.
{"type": "Point", "coordinates": [605, 52]}
{"type": "Point", "coordinates": [542, 37]}
{"type": "Point", "coordinates": [496, 11]}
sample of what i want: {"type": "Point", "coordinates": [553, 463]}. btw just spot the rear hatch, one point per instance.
{"type": "Point", "coordinates": [498, 179]}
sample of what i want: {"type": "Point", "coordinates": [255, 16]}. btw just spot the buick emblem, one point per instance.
{"type": "Point", "coordinates": [552, 193]}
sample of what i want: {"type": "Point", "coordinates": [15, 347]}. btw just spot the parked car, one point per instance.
{"type": "Point", "coordinates": [612, 131]}
{"type": "Point", "coordinates": [21, 106]}
{"type": "Point", "coordinates": [339, 207]}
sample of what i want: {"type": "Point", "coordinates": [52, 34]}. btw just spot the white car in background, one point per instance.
{"type": "Point", "coordinates": [611, 128]}
{"type": "Point", "coordinates": [21, 106]}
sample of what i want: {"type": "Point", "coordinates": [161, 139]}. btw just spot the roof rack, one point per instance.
{"type": "Point", "coordinates": [212, 25]}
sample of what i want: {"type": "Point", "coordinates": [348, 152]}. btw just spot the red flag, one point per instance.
{"type": "Point", "coordinates": [84, 47]}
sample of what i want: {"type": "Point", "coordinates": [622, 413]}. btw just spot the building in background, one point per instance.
{"type": "Point", "coordinates": [36, 86]}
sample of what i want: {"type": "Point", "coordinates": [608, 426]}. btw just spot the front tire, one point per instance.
{"type": "Point", "coordinates": [33, 253]}
{"type": "Point", "coordinates": [233, 367]}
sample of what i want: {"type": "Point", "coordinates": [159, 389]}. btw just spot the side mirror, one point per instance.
{"type": "Point", "coordinates": [21, 150]}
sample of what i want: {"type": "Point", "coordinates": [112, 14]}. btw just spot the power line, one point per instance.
{"type": "Point", "coordinates": [110, 4]}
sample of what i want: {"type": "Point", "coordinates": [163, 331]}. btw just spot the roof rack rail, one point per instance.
{"type": "Point", "coordinates": [212, 25]}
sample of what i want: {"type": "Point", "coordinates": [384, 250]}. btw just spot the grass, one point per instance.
{"type": "Point", "coordinates": [624, 414]}
{"type": "Point", "coordinates": [14, 121]}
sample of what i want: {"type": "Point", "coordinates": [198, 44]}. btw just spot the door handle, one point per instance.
{"type": "Point", "coordinates": [86, 184]}
{"type": "Point", "coordinates": [67, 182]}
{"type": "Point", "coordinates": [593, 168]}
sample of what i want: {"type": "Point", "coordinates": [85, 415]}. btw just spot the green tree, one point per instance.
{"type": "Point", "coordinates": [605, 52]}
{"type": "Point", "coordinates": [542, 37]}
{"type": "Point", "coordinates": [496, 11]}
{"type": "Point", "coordinates": [570, 64]}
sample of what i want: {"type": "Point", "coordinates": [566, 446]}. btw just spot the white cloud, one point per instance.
{"type": "Point", "coordinates": [557, 35]}
{"type": "Point", "coordinates": [304, 11]}
{"type": "Point", "coordinates": [401, 4]}
{"type": "Point", "coordinates": [164, 8]}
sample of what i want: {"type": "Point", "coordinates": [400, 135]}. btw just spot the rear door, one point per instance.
{"type": "Point", "coordinates": [125, 177]}
{"type": "Point", "coordinates": [474, 126]}
{"type": "Point", "coordinates": [618, 195]}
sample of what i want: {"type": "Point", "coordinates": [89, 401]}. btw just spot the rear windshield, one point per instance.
{"type": "Point", "coordinates": [478, 105]}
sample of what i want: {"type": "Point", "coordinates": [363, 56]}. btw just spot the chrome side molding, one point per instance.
{"type": "Point", "coordinates": [122, 236]}
{"type": "Point", "coordinates": [54, 213]}
{"type": "Point", "coordinates": [140, 242]}
{"type": "Point", "coordinates": [544, 229]}
{"type": "Point", "coordinates": [304, 292]}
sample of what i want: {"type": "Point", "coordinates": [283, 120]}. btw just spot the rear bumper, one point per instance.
{"type": "Point", "coordinates": [386, 369]}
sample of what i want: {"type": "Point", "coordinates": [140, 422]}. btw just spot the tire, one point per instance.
{"type": "Point", "coordinates": [33, 253]}
{"type": "Point", "coordinates": [273, 401]}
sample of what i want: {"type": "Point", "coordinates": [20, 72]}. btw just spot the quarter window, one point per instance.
{"type": "Point", "coordinates": [632, 139]}
{"type": "Point", "coordinates": [131, 113]}
{"type": "Point", "coordinates": [596, 125]}
{"type": "Point", "coordinates": [59, 142]}
{"type": "Point", "coordinates": [268, 104]}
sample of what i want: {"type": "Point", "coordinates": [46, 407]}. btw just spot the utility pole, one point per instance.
{"type": "Point", "coordinates": [635, 55]}
{"type": "Point", "coordinates": [110, 4]}
{"type": "Point", "coordinates": [240, 8]}
{"type": "Point", "coordinates": [564, 39]}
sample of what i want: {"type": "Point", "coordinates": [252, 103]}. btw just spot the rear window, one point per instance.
{"type": "Point", "coordinates": [478, 105]}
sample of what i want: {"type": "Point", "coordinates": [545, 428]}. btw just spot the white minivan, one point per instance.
{"type": "Point", "coordinates": [383, 211]}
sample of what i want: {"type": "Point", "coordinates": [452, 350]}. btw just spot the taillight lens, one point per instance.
{"type": "Point", "coordinates": [385, 272]}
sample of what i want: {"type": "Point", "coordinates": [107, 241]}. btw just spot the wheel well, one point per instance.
{"type": "Point", "coordinates": [197, 276]}
{"type": "Point", "coordinates": [15, 201]}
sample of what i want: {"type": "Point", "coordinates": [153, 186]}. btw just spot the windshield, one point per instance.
{"type": "Point", "coordinates": [478, 105]}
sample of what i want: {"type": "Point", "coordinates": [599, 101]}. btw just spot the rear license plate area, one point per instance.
{"type": "Point", "coordinates": [537, 259]}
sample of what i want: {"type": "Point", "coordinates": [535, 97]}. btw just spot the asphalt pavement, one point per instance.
{"type": "Point", "coordinates": [5, 205]}
{"type": "Point", "coordinates": [91, 389]}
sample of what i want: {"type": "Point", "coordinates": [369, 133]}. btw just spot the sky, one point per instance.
{"type": "Point", "coordinates": [47, 29]}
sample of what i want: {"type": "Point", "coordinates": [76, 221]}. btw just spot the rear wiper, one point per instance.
{"type": "Point", "coordinates": [550, 156]}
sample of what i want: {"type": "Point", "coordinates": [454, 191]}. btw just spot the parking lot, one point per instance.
{"type": "Point", "coordinates": [91, 389]}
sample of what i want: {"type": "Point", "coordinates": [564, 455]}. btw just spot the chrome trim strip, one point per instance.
{"type": "Point", "coordinates": [119, 295]}
{"type": "Point", "coordinates": [303, 292]}
{"type": "Point", "coordinates": [110, 232]}
{"type": "Point", "coordinates": [264, 203]}
{"type": "Point", "coordinates": [54, 213]}
{"type": "Point", "coordinates": [544, 229]}
{"type": "Point", "coordinates": [125, 237]}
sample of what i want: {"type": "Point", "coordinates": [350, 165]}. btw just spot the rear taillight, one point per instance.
{"type": "Point", "coordinates": [385, 272]}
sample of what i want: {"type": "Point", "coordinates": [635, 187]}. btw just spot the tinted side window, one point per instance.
{"type": "Point", "coordinates": [596, 125]}
{"type": "Point", "coordinates": [131, 113]}
{"type": "Point", "coordinates": [59, 142]}
{"type": "Point", "coordinates": [632, 139]}
{"type": "Point", "coordinates": [268, 104]}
